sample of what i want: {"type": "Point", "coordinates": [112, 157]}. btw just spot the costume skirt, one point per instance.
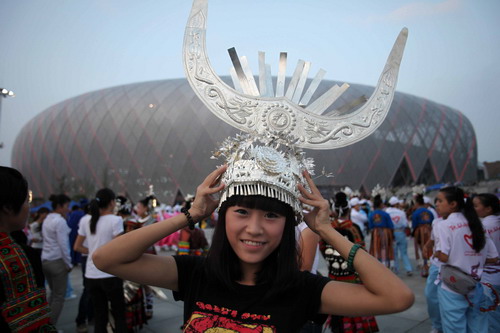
{"type": "Point", "coordinates": [135, 310]}
{"type": "Point", "coordinates": [340, 324]}
{"type": "Point", "coordinates": [170, 240]}
{"type": "Point", "coordinates": [422, 236]}
{"type": "Point", "coordinates": [381, 244]}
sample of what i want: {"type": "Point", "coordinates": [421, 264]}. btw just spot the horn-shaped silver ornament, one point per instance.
{"type": "Point", "coordinates": [253, 111]}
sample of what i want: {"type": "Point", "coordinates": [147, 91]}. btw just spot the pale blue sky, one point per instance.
{"type": "Point", "coordinates": [56, 49]}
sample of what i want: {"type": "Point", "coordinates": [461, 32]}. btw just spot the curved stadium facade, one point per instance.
{"type": "Point", "coordinates": [129, 137]}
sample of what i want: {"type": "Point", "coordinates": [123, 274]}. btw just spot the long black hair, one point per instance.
{"type": "Point", "coordinates": [39, 212]}
{"type": "Point", "coordinates": [223, 264]}
{"type": "Point", "coordinates": [146, 200]}
{"type": "Point", "coordinates": [13, 189]}
{"type": "Point", "coordinates": [341, 205]}
{"type": "Point", "coordinates": [419, 199]}
{"type": "Point", "coordinates": [464, 205]}
{"type": "Point", "coordinates": [102, 199]}
{"type": "Point", "coordinates": [377, 201]}
{"type": "Point", "coordinates": [490, 200]}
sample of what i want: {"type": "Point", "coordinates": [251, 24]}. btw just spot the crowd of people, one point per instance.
{"type": "Point", "coordinates": [456, 239]}
{"type": "Point", "coordinates": [56, 240]}
{"type": "Point", "coordinates": [115, 243]}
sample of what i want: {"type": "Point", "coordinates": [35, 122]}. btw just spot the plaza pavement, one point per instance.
{"type": "Point", "coordinates": [168, 314]}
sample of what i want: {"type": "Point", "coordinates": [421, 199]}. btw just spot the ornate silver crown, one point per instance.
{"type": "Point", "coordinates": [268, 161]}
{"type": "Point", "coordinates": [261, 165]}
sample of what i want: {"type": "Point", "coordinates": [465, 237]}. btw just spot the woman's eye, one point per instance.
{"type": "Point", "coordinates": [271, 215]}
{"type": "Point", "coordinates": [241, 211]}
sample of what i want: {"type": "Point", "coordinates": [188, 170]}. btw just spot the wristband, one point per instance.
{"type": "Point", "coordinates": [191, 222]}
{"type": "Point", "coordinates": [352, 254]}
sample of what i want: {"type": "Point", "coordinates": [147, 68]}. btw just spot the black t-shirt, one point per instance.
{"type": "Point", "coordinates": [245, 309]}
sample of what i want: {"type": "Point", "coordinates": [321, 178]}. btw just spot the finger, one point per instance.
{"type": "Point", "coordinates": [310, 182]}
{"type": "Point", "coordinates": [306, 193]}
{"type": "Point", "coordinates": [319, 203]}
{"type": "Point", "coordinates": [216, 181]}
{"type": "Point", "coordinates": [309, 202]}
{"type": "Point", "coordinates": [210, 180]}
{"type": "Point", "coordinates": [213, 190]}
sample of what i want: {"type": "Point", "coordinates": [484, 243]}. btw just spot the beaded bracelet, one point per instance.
{"type": "Point", "coordinates": [191, 222]}
{"type": "Point", "coordinates": [352, 253]}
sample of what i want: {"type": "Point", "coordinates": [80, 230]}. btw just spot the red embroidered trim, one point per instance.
{"type": "Point", "coordinates": [26, 308]}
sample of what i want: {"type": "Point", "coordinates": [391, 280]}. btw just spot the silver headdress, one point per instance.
{"type": "Point", "coordinates": [268, 161]}
{"type": "Point", "coordinates": [262, 165]}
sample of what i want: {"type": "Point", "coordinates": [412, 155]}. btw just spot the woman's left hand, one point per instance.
{"type": "Point", "coordinates": [204, 204]}
{"type": "Point", "coordinates": [320, 215]}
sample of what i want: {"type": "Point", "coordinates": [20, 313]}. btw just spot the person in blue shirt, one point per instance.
{"type": "Point", "coordinates": [382, 229]}
{"type": "Point", "coordinates": [421, 230]}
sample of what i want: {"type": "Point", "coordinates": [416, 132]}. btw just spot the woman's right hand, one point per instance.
{"type": "Point", "coordinates": [204, 204]}
{"type": "Point", "coordinates": [319, 217]}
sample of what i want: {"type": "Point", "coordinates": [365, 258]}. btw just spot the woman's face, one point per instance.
{"type": "Point", "coordinates": [253, 233]}
{"type": "Point", "coordinates": [141, 210]}
{"type": "Point", "coordinates": [443, 206]}
{"type": "Point", "coordinates": [481, 210]}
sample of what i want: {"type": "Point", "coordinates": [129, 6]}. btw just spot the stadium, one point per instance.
{"type": "Point", "coordinates": [159, 133]}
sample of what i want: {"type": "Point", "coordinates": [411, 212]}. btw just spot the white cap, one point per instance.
{"type": "Point", "coordinates": [393, 201]}
{"type": "Point", "coordinates": [354, 202]}
{"type": "Point", "coordinates": [427, 200]}
{"type": "Point", "coordinates": [363, 201]}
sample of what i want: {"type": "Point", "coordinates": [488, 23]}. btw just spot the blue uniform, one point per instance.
{"type": "Point", "coordinates": [380, 219]}
{"type": "Point", "coordinates": [421, 216]}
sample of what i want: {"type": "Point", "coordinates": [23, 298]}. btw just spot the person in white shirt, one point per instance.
{"type": "Point", "coordinates": [56, 260]}
{"type": "Point", "coordinates": [36, 230]}
{"type": "Point", "coordinates": [357, 216]}
{"type": "Point", "coordinates": [431, 287]}
{"type": "Point", "coordinates": [487, 207]}
{"type": "Point", "coordinates": [463, 244]}
{"type": "Point", "coordinates": [400, 222]}
{"type": "Point", "coordinates": [98, 228]}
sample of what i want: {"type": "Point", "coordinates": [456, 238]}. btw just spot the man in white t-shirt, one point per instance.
{"type": "Point", "coordinates": [357, 216]}
{"type": "Point", "coordinates": [400, 222]}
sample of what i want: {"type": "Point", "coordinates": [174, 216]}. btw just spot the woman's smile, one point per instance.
{"type": "Point", "coordinates": [253, 233]}
{"type": "Point", "coordinates": [253, 244]}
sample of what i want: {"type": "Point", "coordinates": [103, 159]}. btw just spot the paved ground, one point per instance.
{"type": "Point", "coordinates": [168, 314]}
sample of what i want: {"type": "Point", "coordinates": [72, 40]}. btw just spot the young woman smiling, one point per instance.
{"type": "Point", "coordinates": [251, 276]}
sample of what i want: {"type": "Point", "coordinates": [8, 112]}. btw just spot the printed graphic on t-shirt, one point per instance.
{"type": "Point", "coordinates": [225, 320]}
{"type": "Point", "coordinates": [469, 249]}
{"type": "Point", "coordinates": [425, 217]}
{"type": "Point", "coordinates": [468, 240]}
{"type": "Point", "coordinates": [377, 218]}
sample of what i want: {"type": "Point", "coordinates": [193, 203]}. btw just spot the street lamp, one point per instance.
{"type": "Point", "coordinates": [4, 93]}
{"type": "Point", "coordinates": [7, 93]}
